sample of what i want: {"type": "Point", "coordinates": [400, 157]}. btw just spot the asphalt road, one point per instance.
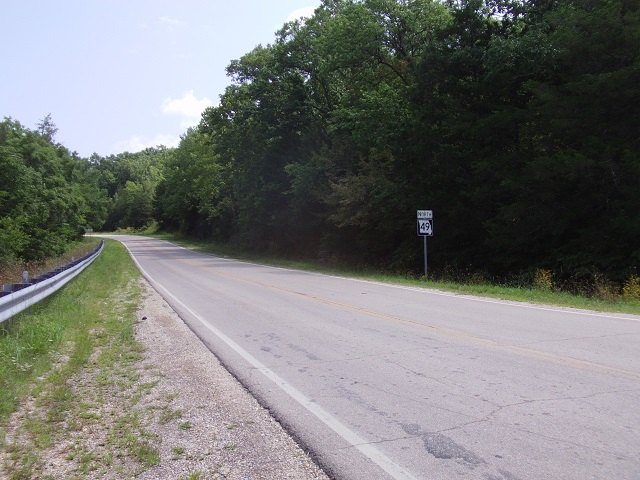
{"type": "Point", "coordinates": [389, 382]}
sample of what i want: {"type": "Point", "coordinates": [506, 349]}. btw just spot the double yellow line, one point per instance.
{"type": "Point", "coordinates": [465, 337]}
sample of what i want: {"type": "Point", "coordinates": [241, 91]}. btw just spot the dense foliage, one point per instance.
{"type": "Point", "coordinates": [48, 195]}
{"type": "Point", "coordinates": [130, 181]}
{"type": "Point", "coordinates": [517, 123]}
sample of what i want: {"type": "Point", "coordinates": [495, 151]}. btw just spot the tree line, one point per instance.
{"type": "Point", "coordinates": [517, 123]}
{"type": "Point", "coordinates": [49, 196]}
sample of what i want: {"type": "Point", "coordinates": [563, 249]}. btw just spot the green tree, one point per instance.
{"type": "Point", "coordinates": [44, 201]}
{"type": "Point", "coordinates": [130, 205]}
{"type": "Point", "coordinates": [575, 201]}
{"type": "Point", "coordinates": [194, 197]}
{"type": "Point", "coordinates": [259, 128]}
{"type": "Point", "coordinates": [47, 129]}
{"type": "Point", "coordinates": [516, 122]}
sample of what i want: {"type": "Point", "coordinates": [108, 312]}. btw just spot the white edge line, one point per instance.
{"type": "Point", "coordinates": [351, 437]}
{"type": "Point", "coordinates": [429, 291]}
{"type": "Point", "coordinates": [434, 291]}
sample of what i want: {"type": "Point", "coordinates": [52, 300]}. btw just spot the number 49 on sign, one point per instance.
{"type": "Point", "coordinates": [425, 227]}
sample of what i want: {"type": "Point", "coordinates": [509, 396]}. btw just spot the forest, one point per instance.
{"type": "Point", "coordinates": [516, 122]}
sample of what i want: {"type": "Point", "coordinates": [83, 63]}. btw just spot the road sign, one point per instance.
{"type": "Point", "coordinates": [425, 227]}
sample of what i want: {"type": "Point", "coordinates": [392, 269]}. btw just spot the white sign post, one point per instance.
{"type": "Point", "coordinates": [425, 229]}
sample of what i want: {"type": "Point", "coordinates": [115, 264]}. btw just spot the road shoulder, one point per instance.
{"type": "Point", "coordinates": [222, 431]}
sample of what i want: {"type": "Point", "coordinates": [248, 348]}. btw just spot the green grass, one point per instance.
{"type": "Point", "coordinates": [85, 328]}
{"type": "Point", "coordinates": [12, 272]}
{"type": "Point", "coordinates": [193, 476]}
{"type": "Point", "coordinates": [177, 452]}
{"type": "Point", "coordinates": [475, 286]}
{"type": "Point", "coordinates": [185, 425]}
{"type": "Point", "coordinates": [167, 414]}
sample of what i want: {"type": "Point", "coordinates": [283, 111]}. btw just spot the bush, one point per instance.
{"type": "Point", "coordinates": [631, 289]}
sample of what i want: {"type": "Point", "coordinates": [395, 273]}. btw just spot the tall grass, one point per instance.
{"type": "Point", "coordinates": [11, 272]}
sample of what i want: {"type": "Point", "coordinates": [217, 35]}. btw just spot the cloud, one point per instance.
{"type": "Point", "coordinates": [306, 12]}
{"type": "Point", "coordinates": [140, 142]}
{"type": "Point", "coordinates": [189, 107]}
{"type": "Point", "coordinates": [172, 22]}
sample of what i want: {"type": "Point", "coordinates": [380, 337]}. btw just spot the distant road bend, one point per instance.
{"type": "Point", "coordinates": [390, 382]}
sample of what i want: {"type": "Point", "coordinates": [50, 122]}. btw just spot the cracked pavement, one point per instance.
{"type": "Point", "coordinates": [381, 381]}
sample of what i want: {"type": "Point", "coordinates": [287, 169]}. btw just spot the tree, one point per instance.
{"type": "Point", "coordinates": [516, 122]}
{"type": "Point", "coordinates": [130, 180]}
{"type": "Point", "coordinates": [195, 197]}
{"type": "Point", "coordinates": [47, 129]}
{"type": "Point", "coordinates": [575, 202]}
{"type": "Point", "coordinates": [44, 200]}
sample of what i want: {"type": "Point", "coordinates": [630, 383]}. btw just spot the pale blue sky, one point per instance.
{"type": "Point", "coordinates": [121, 75]}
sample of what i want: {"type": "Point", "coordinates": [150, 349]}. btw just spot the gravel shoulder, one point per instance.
{"type": "Point", "coordinates": [167, 409]}
{"type": "Point", "coordinates": [229, 434]}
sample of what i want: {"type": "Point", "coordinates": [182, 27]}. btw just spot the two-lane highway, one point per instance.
{"type": "Point", "coordinates": [389, 382]}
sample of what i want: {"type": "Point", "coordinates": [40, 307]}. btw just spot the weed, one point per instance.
{"type": "Point", "coordinates": [177, 453]}
{"type": "Point", "coordinates": [22, 468]}
{"type": "Point", "coordinates": [169, 397]}
{"type": "Point", "coordinates": [631, 289]}
{"type": "Point", "coordinates": [478, 278]}
{"type": "Point", "coordinates": [603, 289]}
{"type": "Point", "coordinates": [543, 280]}
{"type": "Point", "coordinates": [186, 425]}
{"type": "Point", "coordinates": [147, 454]}
{"type": "Point", "coordinates": [65, 366]}
{"type": "Point", "coordinates": [87, 462]}
{"type": "Point", "coordinates": [169, 414]}
{"type": "Point", "coordinates": [193, 476]}
{"type": "Point", "coordinates": [74, 425]}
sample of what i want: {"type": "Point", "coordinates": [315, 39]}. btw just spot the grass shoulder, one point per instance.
{"type": "Point", "coordinates": [59, 359]}
{"type": "Point", "coordinates": [12, 272]}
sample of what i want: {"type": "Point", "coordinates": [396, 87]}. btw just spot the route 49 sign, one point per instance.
{"type": "Point", "coordinates": [425, 227]}
{"type": "Point", "coordinates": [425, 223]}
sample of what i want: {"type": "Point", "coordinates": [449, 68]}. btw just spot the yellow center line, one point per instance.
{"type": "Point", "coordinates": [466, 337]}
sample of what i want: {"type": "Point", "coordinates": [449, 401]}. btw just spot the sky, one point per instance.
{"type": "Point", "coordinates": [124, 75]}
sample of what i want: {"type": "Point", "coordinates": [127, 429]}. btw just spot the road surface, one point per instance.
{"type": "Point", "coordinates": [391, 382]}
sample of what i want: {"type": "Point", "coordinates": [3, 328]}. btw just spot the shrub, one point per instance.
{"type": "Point", "coordinates": [631, 289]}
{"type": "Point", "coordinates": [543, 280]}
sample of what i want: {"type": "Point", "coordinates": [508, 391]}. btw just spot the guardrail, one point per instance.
{"type": "Point", "coordinates": [20, 296]}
